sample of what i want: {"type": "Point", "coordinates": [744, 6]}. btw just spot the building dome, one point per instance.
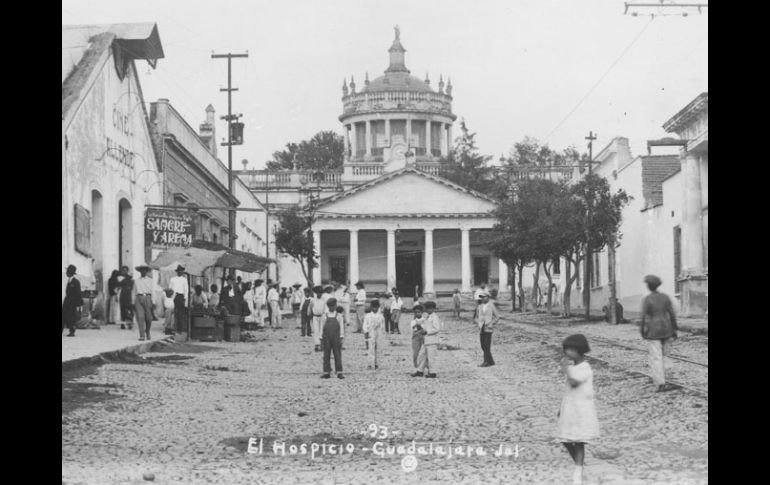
{"type": "Point", "coordinates": [398, 81]}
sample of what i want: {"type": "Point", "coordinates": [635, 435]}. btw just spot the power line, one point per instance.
{"type": "Point", "coordinates": [590, 91]}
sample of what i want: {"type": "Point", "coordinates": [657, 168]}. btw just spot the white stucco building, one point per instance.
{"type": "Point", "coordinates": [387, 218]}
{"type": "Point", "coordinates": [109, 169]}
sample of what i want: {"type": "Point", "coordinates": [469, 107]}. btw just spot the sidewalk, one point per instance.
{"type": "Point", "coordinates": [109, 338]}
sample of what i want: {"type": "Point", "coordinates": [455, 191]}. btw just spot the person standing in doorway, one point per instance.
{"type": "Point", "coordinates": [72, 306]}
{"type": "Point", "coordinates": [396, 305]}
{"type": "Point", "coordinates": [181, 291]}
{"type": "Point", "coordinates": [486, 319]}
{"type": "Point", "coordinates": [360, 307]}
{"type": "Point", "coordinates": [126, 299]}
{"type": "Point", "coordinates": [144, 287]}
{"type": "Point", "coordinates": [113, 295]}
{"type": "Point", "coordinates": [659, 328]}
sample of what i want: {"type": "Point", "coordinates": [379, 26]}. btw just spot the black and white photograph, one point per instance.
{"type": "Point", "coordinates": [384, 242]}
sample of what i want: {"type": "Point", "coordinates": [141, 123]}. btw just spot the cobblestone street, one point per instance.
{"type": "Point", "coordinates": [185, 413]}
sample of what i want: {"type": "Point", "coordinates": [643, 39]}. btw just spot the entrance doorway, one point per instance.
{"type": "Point", "coordinates": [124, 233]}
{"type": "Point", "coordinates": [97, 225]}
{"type": "Point", "coordinates": [480, 270]}
{"type": "Point", "coordinates": [408, 273]}
{"type": "Point", "coordinates": [339, 269]}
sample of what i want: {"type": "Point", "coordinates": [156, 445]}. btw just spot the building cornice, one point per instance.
{"type": "Point", "coordinates": [678, 122]}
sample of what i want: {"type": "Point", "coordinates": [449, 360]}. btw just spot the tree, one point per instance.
{"type": "Point", "coordinates": [466, 167]}
{"type": "Point", "coordinates": [600, 213]}
{"type": "Point", "coordinates": [531, 227]}
{"type": "Point", "coordinates": [324, 151]}
{"type": "Point", "coordinates": [295, 238]}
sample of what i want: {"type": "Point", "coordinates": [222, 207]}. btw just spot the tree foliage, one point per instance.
{"type": "Point", "coordinates": [324, 151]}
{"type": "Point", "coordinates": [467, 167]}
{"type": "Point", "coordinates": [295, 238]}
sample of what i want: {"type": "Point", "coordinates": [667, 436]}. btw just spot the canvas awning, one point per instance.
{"type": "Point", "coordinates": [203, 255]}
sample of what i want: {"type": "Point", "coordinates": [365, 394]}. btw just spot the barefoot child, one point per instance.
{"type": "Point", "coordinates": [374, 325]}
{"type": "Point", "coordinates": [332, 333]}
{"type": "Point", "coordinates": [417, 339]}
{"type": "Point", "coordinates": [578, 423]}
{"type": "Point", "coordinates": [168, 311]}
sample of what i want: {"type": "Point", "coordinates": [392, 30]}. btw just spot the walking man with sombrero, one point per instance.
{"type": "Point", "coordinates": [181, 289]}
{"type": "Point", "coordinates": [144, 287]}
{"type": "Point", "coordinates": [73, 302]}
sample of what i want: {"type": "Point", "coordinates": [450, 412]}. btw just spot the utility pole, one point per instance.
{"type": "Point", "coordinates": [267, 220]}
{"type": "Point", "coordinates": [588, 252]}
{"type": "Point", "coordinates": [229, 143]}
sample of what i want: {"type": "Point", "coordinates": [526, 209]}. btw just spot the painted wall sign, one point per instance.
{"type": "Point", "coordinates": [82, 230]}
{"type": "Point", "coordinates": [165, 228]}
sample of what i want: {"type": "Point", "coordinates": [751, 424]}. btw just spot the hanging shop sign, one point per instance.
{"type": "Point", "coordinates": [164, 228]}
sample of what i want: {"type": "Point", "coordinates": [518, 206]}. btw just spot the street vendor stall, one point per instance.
{"type": "Point", "coordinates": [198, 258]}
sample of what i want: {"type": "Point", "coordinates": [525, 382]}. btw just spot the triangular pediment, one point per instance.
{"type": "Point", "coordinates": [407, 192]}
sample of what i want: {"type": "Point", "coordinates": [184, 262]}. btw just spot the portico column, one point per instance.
{"type": "Point", "coordinates": [449, 140]}
{"type": "Point", "coordinates": [428, 291]}
{"type": "Point", "coordinates": [692, 225]}
{"type": "Point", "coordinates": [353, 256]}
{"type": "Point", "coordinates": [317, 247]}
{"type": "Point", "coordinates": [428, 144]}
{"type": "Point", "coordinates": [502, 271]}
{"type": "Point", "coordinates": [465, 260]}
{"type": "Point", "coordinates": [391, 259]}
{"type": "Point", "coordinates": [368, 143]}
{"type": "Point", "coordinates": [387, 132]}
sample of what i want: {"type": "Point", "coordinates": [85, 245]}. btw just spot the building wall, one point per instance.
{"type": "Point", "coordinates": [108, 111]}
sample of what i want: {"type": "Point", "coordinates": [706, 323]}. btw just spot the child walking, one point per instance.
{"type": "Point", "coordinates": [456, 303]}
{"type": "Point", "coordinates": [417, 339]}
{"type": "Point", "coordinates": [578, 423]}
{"type": "Point", "coordinates": [332, 334]}
{"type": "Point", "coordinates": [374, 324]}
{"type": "Point", "coordinates": [168, 311]}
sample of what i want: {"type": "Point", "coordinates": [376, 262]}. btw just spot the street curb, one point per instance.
{"type": "Point", "coordinates": [114, 354]}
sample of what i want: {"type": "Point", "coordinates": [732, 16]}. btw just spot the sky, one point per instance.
{"type": "Point", "coordinates": [552, 70]}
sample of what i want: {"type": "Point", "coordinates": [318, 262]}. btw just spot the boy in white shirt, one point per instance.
{"type": "Point", "coordinates": [168, 311]}
{"type": "Point", "coordinates": [316, 311]}
{"type": "Point", "coordinates": [395, 312]}
{"type": "Point", "coordinates": [430, 329]}
{"type": "Point", "coordinates": [417, 339]}
{"type": "Point", "coordinates": [374, 324]}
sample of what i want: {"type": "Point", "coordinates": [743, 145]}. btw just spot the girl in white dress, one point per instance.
{"type": "Point", "coordinates": [578, 423]}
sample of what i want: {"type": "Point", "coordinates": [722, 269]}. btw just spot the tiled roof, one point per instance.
{"type": "Point", "coordinates": [656, 169]}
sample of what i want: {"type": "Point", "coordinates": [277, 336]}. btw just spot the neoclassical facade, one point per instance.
{"type": "Point", "coordinates": [396, 222]}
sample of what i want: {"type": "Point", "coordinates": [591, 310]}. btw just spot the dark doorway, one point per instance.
{"type": "Point", "coordinates": [339, 267]}
{"type": "Point", "coordinates": [408, 272]}
{"type": "Point", "coordinates": [480, 270]}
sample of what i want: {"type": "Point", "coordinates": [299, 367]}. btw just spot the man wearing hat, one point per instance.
{"type": "Point", "coordinates": [73, 302]}
{"type": "Point", "coordinates": [144, 287]}
{"type": "Point", "coordinates": [659, 328]}
{"type": "Point", "coordinates": [486, 319]}
{"type": "Point", "coordinates": [181, 289]}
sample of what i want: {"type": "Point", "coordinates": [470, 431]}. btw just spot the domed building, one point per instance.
{"type": "Point", "coordinates": [397, 223]}
{"type": "Point", "coordinates": [395, 120]}
{"type": "Point", "coordinates": [388, 219]}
